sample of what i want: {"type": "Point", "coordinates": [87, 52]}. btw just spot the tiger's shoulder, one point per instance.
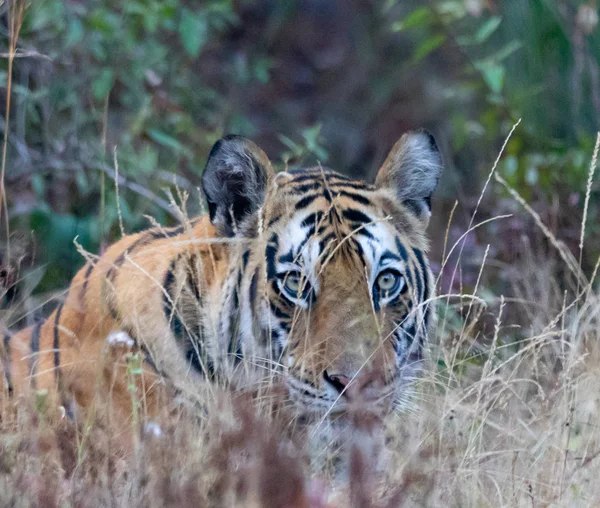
{"type": "Point", "coordinates": [116, 300]}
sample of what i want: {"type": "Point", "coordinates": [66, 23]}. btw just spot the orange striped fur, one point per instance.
{"type": "Point", "coordinates": [306, 275]}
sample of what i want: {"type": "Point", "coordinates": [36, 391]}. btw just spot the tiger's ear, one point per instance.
{"type": "Point", "coordinates": [412, 170]}
{"type": "Point", "coordinates": [234, 181]}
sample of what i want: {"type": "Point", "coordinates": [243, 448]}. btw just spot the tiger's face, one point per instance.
{"type": "Point", "coordinates": [345, 290]}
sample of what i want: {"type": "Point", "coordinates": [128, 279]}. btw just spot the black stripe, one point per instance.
{"type": "Point", "coordinates": [234, 322]}
{"type": "Point", "coordinates": [411, 332]}
{"type": "Point", "coordinates": [278, 312]}
{"type": "Point", "coordinates": [364, 232]}
{"type": "Point", "coordinates": [404, 256]}
{"type": "Point", "coordinates": [270, 253]}
{"type": "Point", "coordinates": [145, 239]}
{"type": "Point", "coordinates": [157, 234]}
{"type": "Point", "coordinates": [308, 176]}
{"type": "Point", "coordinates": [86, 280]}
{"type": "Point", "coordinates": [351, 185]}
{"type": "Point", "coordinates": [356, 216]}
{"type": "Point", "coordinates": [56, 343]}
{"type": "Point", "coordinates": [245, 259]}
{"type": "Point", "coordinates": [35, 349]}
{"type": "Point", "coordinates": [239, 280]}
{"type": "Point", "coordinates": [193, 277]}
{"type": "Point", "coordinates": [236, 300]}
{"type": "Point", "coordinates": [422, 282]}
{"type": "Point", "coordinates": [301, 189]}
{"type": "Point", "coordinates": [110, 274]}
{"type": "Point", "coordinates": [276, 349]}
{"type": "Point", "coordinates": [194, 358]}
{"type": "Point", "coordinates": [332, 178]}
{"type": "Point", "coordinates": [338, 176]}
{"type": "Point", "coordinates": [426, 289]}
{"type": "Point", "coordinates": [312, 220]}
{"type": "Point", "coordinates": [324, 242]}
{"type": "Point", "coordinates": [169, 309]}
{"type": "Point", "coordinates": [414, 206]}
{"type": "Point", "coordinates": [287, 258]}
{"type": "Point", "coordinates": [355, 197]}
{"type": "Point", "coordinates": [359, 249]}
{"type": "Point", "coordinates": [142, 347]}
{"type": "Point", "coordinates": [389, 255]}
{"type": "Point", "coordinates": [401, 250]}
{"type": "Point", "coordinates": [309, 235]}
{"type": "Point", "coordinates": [305, 201]}
{"type": "Point", "coordinates": [234, 348]}
{"type": "Point", "coordinates": [186, 338]}
{"type": "Point", "coordinates": [7, 363]}
{"type": "Point", "coordinates": [286, 325]}
{"type": "Point", "coordinates": [253, 283]}
{"type": "Point", "coordinates": [112, 307]}
{"type": "Point", "coordinates": [147, 357]}
{"type": "Point", "coordinates": [415, 351]}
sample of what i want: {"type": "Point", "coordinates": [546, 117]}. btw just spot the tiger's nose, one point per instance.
{"type": "Point", "coordinates": [338, 381]}
{"type": "Point", "coordinates": [363, 386]}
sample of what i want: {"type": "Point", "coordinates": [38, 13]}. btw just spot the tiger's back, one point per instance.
{"type": "Point", "coordinates": [112, 302]}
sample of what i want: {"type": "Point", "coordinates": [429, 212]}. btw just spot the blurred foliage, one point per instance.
{"type": "Point", "coordinates": [146, 86]}
{"type": "Point", "coordinates": [534, 60]}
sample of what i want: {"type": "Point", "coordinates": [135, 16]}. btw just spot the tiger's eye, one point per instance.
{"type": "Point", "coordinates": [292, 283]}
{"type": "Point", "coordinates": [387, 281]}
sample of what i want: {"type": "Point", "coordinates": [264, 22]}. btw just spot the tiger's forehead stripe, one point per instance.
{"type": "Point", "coordinates": [345, 221]}
{"type": "Point", "coordinates": [309, 180]}
{"type": "Point", "coordinates": [323, 189]}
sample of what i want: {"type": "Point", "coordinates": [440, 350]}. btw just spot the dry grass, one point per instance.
{"type": "Point", "coordinates": [504, 417]}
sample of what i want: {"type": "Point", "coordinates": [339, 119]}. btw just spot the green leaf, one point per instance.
{"type": "Point", "coordinates": [103, 83]}
{"type": "Point", "coordinates": [493, 74]}
{"type": "Point", "coordinates": [74, 32]}
{"type": "Point", "coordinates": [531, 176]}
{"type": "Point", "coordinates": [452, 10]}
{"type": "Point", "coordinates": [511, 164]}
{"type": "Point", "coordinates": [418, 17]}
{"type": "Point", "coordinates": [38, 184]}
{"type": "Point", "coordinates": [167, 141]}
{"type": "Point", "coordinates": [262, 68]}
{"type": "Point", "coordinates": [506, 51]}
{"type": "Point", "coordinates": [427, 46]}
{"type": "Point", "coordinates": [193, 31]}
{"type": "Point", "coordinates": [487, 29]}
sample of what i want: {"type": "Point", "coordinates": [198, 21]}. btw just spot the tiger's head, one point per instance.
{"type": "Point", "coordinates": [333, 278]}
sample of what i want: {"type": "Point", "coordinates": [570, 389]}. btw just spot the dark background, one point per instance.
{"type": "Point", "coordinates": [157, 82]}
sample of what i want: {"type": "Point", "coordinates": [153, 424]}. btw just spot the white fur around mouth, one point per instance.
{"type": "Point", "coordinates": [119, 338]}
{"type": "Point", "coordinates": [153, 429]}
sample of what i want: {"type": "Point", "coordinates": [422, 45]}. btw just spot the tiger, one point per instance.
{"type": "Point", "coordinates": [307, 275]}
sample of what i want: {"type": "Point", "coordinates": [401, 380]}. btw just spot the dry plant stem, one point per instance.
{"type": "Point", "coordinates": [588, 189]}
{"type": "Point", "coordinates": [102, 179]}
{"type": "Point", "coordinates": [138, 189]}
{"type": "Point", "coordinates": [485, 186]}
{"type": "Point", "coordinates": [476, 429]}
{"type": "Point", "coordinates": [466, 320]}
{"type": "Point", "coordinates": [119, 213]}
{"type": "Point", "coordinates": [469, 229]}
{"type": "Point", "coordinates": [565, 255]}
{"type": "Point", "coordinates": [471, 221]}
{"type": "Point", "coordinates": [447, 232]}
{"type": "Point", "coordinates": [15, 20]}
